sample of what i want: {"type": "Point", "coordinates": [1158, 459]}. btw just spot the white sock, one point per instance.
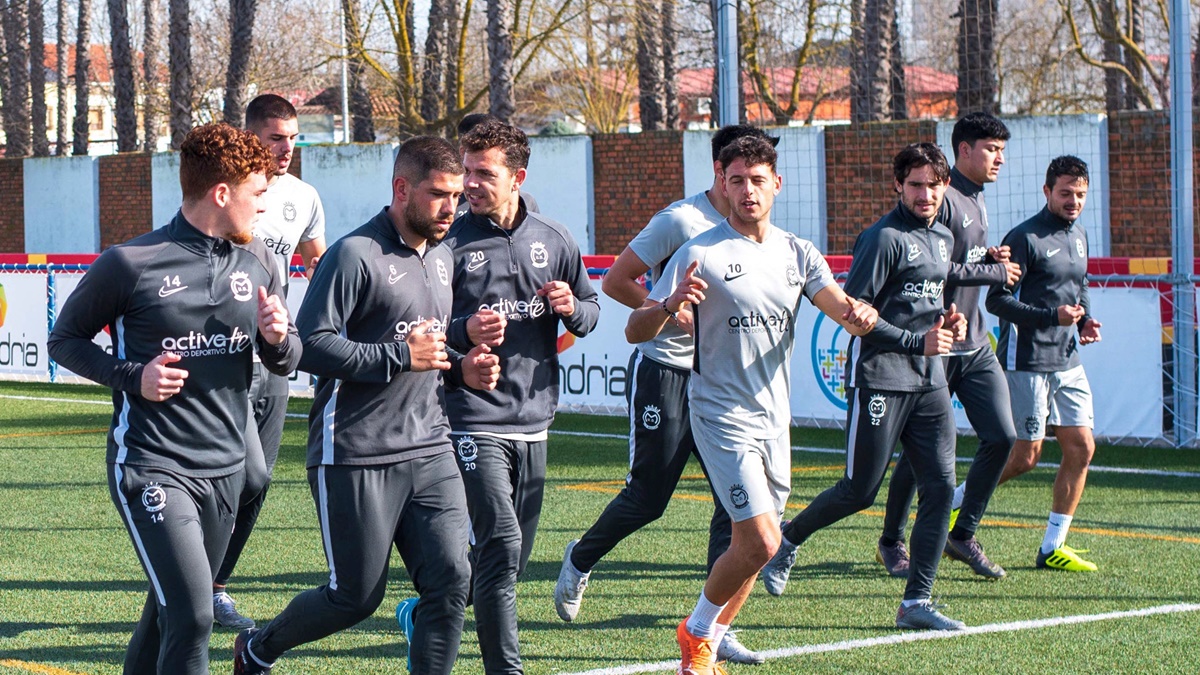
{"type": "Point", "coordinates": [1056, 532]}
{"type": "Point", "coordinates": [910, 603]}
{"type": "Point", "coordinates": [703, 621]}
{"type": "Point", "coordinates": [959, 491]}
{"type": "Point", "coordinates": [719, 633]}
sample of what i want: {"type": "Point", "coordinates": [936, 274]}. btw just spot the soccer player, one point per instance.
{"type": "Point", "coordinates": [517, 276]}
{"type": "Point", "coordinates": [293, 222]}
{"type": "Point", "coordinates": [187, 306]}
{"type": "Point", "coordinates": [745, 279]}
{"type": "Point", "coordinates": [897, 382]}
{"type": "Point", "coordinates": [660, 430]}
{"type": "Point", "coordinates": [380, 464]}
{"type": "Point", "coordinates": [972, 370]}
{"type": "Point", "coordinates": [467, 123]}
{"type": "Point", "coordinates": [1044, 319]}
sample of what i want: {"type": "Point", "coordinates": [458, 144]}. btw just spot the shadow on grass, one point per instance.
{"type": "Point", "coordinates": [123, 585]}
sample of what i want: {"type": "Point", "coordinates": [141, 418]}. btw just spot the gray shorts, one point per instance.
{"type": "Point", "coordinates": [751, 476]}
{"type": "Point", "coordinates": [1039, 400]}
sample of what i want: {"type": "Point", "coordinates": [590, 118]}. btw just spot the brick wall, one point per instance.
{"type": "Point", "coordinates": [126, 202]}
{"type": "Point", "coordinates": [634, 176]}
{"type": "Point", "coordinates": [12, 206]}
{"type": "Point", "coordinates": [1139, 164]}
{"type": "Point", "coordinates": [858, 175]}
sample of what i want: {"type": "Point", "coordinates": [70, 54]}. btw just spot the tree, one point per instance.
{"type": "Point", "coordinates": [361, 111]}
{"type": "Point", "coordinates": [83, 65]}
{"type": "Point", "coordinates": [437, 46]}
{"type": "Point", "coordinates": [123, 84]}
{"type": "Point", "coordinates": [179, 46]}
{"type": "Point", "coordinates": [16, 96]}
{"type": "Point", "coordinates": [798, 60]}
{"type": "Point", "coordinates": [1118, 49]}
{"type": "Point", "coordinates": [37, 77]}
{"type": "Point", "coordinates": [871, 72]}
{"type": "Point", "coordinates": [976, 56]}
{"type": "Point", "coordinates": [669, 69]}
{"type": "Point", "coordinates": [61, 47]}
{"type": "Point", "coordinates": [651, 93]}
{"type": "Point", "coordinates": [1196, 73]}
{"type": "Point", "coordinates": [500, 21]}
{"type": "Point", "coordinates": [241, 38]}
{"type": "Point", "coordinates": [151, 103]}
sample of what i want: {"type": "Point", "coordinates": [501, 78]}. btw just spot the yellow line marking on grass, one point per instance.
{"type": "Point", "coordinates": [71, 432]}
{"type": "Point", "coordinates": [613, 487]}
{"type": "Point", "coordinates": [36, 668]}
{"type": "Point", "coordinates": [916, 636]}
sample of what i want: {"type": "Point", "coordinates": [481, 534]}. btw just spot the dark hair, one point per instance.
{"type": "Point", "coordinates": [730, 133]}
{"type": "Point", "coordinates": [269, 107]}
{"type": "Point", "coordinates": [217, 153]}
{"type": "Point", "coordinates": [473, 120]}
{"type": "Point", "coordinates": [753, 150]}
{"type": "Point", "coordinates": [1066, 165]}
{"type": "Point", "coordinates": [918, 155]}
{"type": "Point", "coordinates": [496, 134]}
{"type": "Point", "coordinates": [977, 126]}
{"type": "Point", "coordinates": [420, 155]}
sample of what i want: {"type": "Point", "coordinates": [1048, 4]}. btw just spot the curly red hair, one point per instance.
{"type": "Point", "coordinates": [219, 153]}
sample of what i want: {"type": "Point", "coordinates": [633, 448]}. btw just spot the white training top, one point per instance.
{"type": "Point", "coordinates": [745, 327]}
{"type": "Point", "coordinates": [654, 245]}
{"type": "Point", "coordinates": [293, 214]}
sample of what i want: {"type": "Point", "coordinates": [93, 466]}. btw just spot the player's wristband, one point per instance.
{"type": "Point", "coordinates": [671, 314]}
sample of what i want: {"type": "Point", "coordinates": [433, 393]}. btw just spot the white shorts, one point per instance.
{"type": "Point", "coordinates": [751, 476]}
{"type": "Point", "coordinates": [1039, 400]}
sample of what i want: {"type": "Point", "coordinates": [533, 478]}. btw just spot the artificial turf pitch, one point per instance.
{"type": "Point", "coordinates": [71, 588]}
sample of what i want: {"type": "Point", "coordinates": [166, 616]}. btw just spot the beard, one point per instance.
{"type": "Point", "coordinates": [239, 238]}
{"type": "Point", "coordinates": [422, 224]}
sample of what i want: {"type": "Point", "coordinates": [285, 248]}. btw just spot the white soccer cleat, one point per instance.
{"type": "Point", "coordinates": [568, 592]}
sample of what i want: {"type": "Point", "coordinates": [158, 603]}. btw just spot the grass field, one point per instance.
{"type": "Point", "coordinates": [71, 589]}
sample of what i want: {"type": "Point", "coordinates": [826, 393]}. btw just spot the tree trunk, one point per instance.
{"type": "Point", "coordinates": [453, 98]}
{"type": "Point", "coordinates": [871, 99]}
{"type": "Point", "coordinates": [670, 37]}
{"type": "Point", "coordinates": [1114, 81]}
{"type": "Point", "coordinates": [433, 87]}
{"type": "Point", "coordinates": [37, 77]}
{"type": "Point", "coordinates": [500, 57]}
{"type": "Point", "coordinates": [83, 63]}
{"type": "Point", "coordinates": [151, 103]}
{"type": "Point", "coordinates": [976, 57]}
{"type": "Point", "coordinates": [241, 39]}
{"type": "Point", "coordinates": [16, 104]}
{"type": "Point", "coordinates": [649, 63]}
{"type": "Point", "coordinates": [123, 85]}
{"type": "Point", "coordinates": [179, 46]}
{"type": "Point", "coordinates": [714, 98]}
{"type": "Point", "coordinates": [1196, 74]}
{"type": "Point", "coordinates": [362, 114]}
{"type": "Point", "coordinates": [898, 87]}
{"type": "Point", "coordinates": [1137, 35]}
{"type": "Point", "coordinates": [62, 49]}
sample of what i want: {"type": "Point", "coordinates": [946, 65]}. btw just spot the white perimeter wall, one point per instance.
{"type": "Point", "coordinates": [354, 181]}
{"type": "Point", "coordinates": [800, 206]}
{"type": "Point", "coordinates": [62, 205]}
{"type": "Point", "coordinates": [166, 195]}
{"type": "Point", "coordinates": [1035, 141]}
{"type": "Point", "coordinates": [560, 179]}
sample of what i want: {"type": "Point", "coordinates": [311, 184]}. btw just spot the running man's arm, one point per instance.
{"type": "Point", "coordinates": [100, 298]}
{"type": "Point", "coordinates": [584, 312]}
{"type": "Point", "coordinates": [1002, 300]}
{"type": "Point", "coordinates": [869, 271]}
{"type": "Point", "coordinates": [277, 341]}
{"type": "Point", "coordinates": [858, 318]}
{"type": "Point", "coordinates": [621, 281]}
{"type": "Point", "coordinates": [312, 242]}
{"type": "Point", "coordinates": [331, 298]}
{"type": "Point", "coordinates": [982, 274]}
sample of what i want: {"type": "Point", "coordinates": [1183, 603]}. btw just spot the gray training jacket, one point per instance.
{"type": "Point", "coordinates": [899, 267]}
{"type": "Point", "coordinates": [965, 215]}
{"type": "Point", "coordinates": [175, 290]}
{"type": "Point", "coordinates": [370, 290]}
{"type": "Point", "coordinates": [503, 270]}
{"type": "Point", "coordinates": [1053, 255]}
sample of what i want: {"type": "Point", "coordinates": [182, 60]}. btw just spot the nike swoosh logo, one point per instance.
{"type": "Point", "coordinates": [476, 265]}
{"type": "Point", "coordinates": [728, 277]}
{"type": "Point", "coordinates": [914, 255]}
{"type": "Point", "coordinates": [967, 221]}
{"type": "Point", "coordinates": [164, 293]}
{"type": "Point", "coordinates": [1051, 254]}
{"type": "Point", "coordinates": [394, 279]}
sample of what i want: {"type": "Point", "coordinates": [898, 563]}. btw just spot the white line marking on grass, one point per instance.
{"type": "Point", "coordinates": [901, 638]}
{"type": "Point", "coordinates": [795, 448]}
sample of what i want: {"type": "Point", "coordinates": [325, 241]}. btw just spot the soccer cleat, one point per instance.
{"type": "Point", "coordinates": [696, 654]}
{"type": "Point", "coordinates": [225, 612]}
{"type": "Point", "coordinates": [894, 558]}
{"type": "Point", "coordinates": [777, 570]}
{"type": "Point", "coordinates": [953, 519]}
{"type": "Point", "coordinates": [1065, 558]}
{"type": "Point", "coordinates": [732, 650]}
{"type": "Point", "coordinates": [568, 592]}
{"type": "Point", "coordinates": [925, 616]}
{"type": "Point", "coordinates": [244, 662]}
{"type": "Point", "coordinates": [970, 551]}
{"type": "Point", "coordinates": [404, 617]}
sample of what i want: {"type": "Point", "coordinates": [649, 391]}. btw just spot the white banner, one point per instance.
{"type": "Point", "coordinates": [23, 325]}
